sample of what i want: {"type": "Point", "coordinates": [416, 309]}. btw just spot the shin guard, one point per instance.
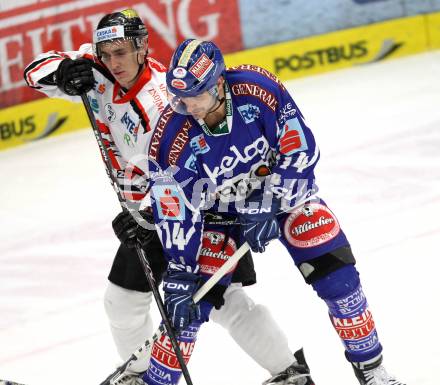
{"type": "Point", "coordinates": [164, 367]}
{"type": "Point", "coordinates": [349, 313]}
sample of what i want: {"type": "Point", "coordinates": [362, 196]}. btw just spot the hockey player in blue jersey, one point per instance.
{"type": "Point", "coordinates": [234, 141]}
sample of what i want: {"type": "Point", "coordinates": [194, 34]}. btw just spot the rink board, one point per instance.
{"type": "Point", "coordinates": [433, 26]}
{"type": "Point", "coordinates": [340, 49]}
{"type": "Point", "coordinates": [39, 119]}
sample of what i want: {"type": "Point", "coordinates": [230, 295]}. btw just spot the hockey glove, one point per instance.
{"type": "Point", "coordinates": [75, 77]}
{"type": "Point", "coordinates": [179, 287]}
{"type": "Point", "coordinates": [259, 224]}
{"type": "Point", "coordinates": [129, 232]}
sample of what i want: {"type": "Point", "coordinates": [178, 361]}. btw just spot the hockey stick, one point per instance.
{"type": "Point", "coordinates": [4, 382]}
{"type": "Point", "coordinates": [141, 254]}
{"type": "Point", "coordinates": [144, 352]}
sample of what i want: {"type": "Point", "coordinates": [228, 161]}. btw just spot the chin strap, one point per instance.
{"type": "Point", "coordinates": [221, 101]}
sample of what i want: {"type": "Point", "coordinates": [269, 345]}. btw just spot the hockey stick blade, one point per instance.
{"type": "Point", "coordinates": [146, 347]}
{"type": "Point", "coordinates": [4, 382]}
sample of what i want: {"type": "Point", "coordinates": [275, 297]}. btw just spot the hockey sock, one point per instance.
{"type": "Point", "coordinates": [128, 312]}
{"type": "Point", "coordinates": [254, 330]}
{"type": "Point", "coordinates": [164, 367]}
{"type": "Point", "coordinates": [349, 313]}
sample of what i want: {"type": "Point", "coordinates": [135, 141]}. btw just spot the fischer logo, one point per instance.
{"type": "Point", "coordinates": [311, 225]}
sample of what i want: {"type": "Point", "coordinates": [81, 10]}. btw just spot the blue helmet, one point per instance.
{"type": "Point", "coordinates": [195, 68]}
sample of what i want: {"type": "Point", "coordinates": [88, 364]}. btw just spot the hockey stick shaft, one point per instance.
{"type": "Point", "coordinates": [141, 254]}
{"type": "Point", "coordinates": [219, 274]}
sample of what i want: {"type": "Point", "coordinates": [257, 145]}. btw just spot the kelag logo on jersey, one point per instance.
{"type": "Point", "coordinates": [292, 138]}
{"type": "Point", "coordinates": [169, 202]}
{"type": "Point", "coordinates": [260, 147]}
{"type": "Point", "coordinates": [249, 112]}
{"type": "Point", "coordinates": [130, 125]}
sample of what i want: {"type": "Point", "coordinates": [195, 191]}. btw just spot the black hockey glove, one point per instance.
{"type": "Point", "coordinates": [129, 232]}
{"type": "Point", "coordinates": [259, 224]}
{"type": "Point", "coordinates": [75, 77]}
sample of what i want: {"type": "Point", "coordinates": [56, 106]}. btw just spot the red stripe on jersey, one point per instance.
{"type": "Point", "coordinates": [113, 158]}
{"type": "Point", "coordinates": [144, 114]}
{"type": "Point", "coordinates": [102, 127]}
{"type": "Point", "coordinates": [134, 196]}
{"type": "Point", "coordinates": [133, 171]}
{"type": "Point", "coordinates": [108, 144]}
{"type": "Point", "coordinates": [28, 75]}
{"type": "Point", "coordinates": [144, 78]}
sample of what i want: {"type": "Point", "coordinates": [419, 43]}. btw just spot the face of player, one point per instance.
{"type": "Point", "coordinates": [122, 60]}
{"type": "Point", "coordinates": [201, 105]}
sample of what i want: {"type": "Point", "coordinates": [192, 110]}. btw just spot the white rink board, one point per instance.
{"type": "Point", "coordinates": [378, 128]}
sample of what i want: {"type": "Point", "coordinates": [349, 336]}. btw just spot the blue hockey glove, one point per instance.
{"type": "Point", "coordinates": [258, 221]}
{"type": "Point", "coordinates": [179, 287]}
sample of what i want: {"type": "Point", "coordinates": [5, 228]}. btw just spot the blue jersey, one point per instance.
{"type": "Point", "coordinates": [193, 171]}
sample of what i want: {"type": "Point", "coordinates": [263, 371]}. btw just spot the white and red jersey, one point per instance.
{"type": "Point", "coordinates": [125, 119]}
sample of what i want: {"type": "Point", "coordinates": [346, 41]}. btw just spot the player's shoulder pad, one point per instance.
{"type": "Point", "coordinates": [251, 72]}
{"type": "Point", "coordinates": [170, 137]}
{"type": "Point", "coordinates": [154, 64]}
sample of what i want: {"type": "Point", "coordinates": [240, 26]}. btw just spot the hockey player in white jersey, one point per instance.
{"type": "Point", "coordinates": [126, 89]}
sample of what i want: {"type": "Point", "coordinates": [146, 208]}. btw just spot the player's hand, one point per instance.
{"type": "Point", "coordinates": [130, 232]}
{"type": "Point", "coordinates": [75, 77]}
{"type": "Point", "coordinates": [259, 224]}
{"type": "Point", "coordinates": [179, 287]}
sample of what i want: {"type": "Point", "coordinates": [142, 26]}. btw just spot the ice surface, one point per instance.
{"type": "Point", "coordinates": [378, 127]}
